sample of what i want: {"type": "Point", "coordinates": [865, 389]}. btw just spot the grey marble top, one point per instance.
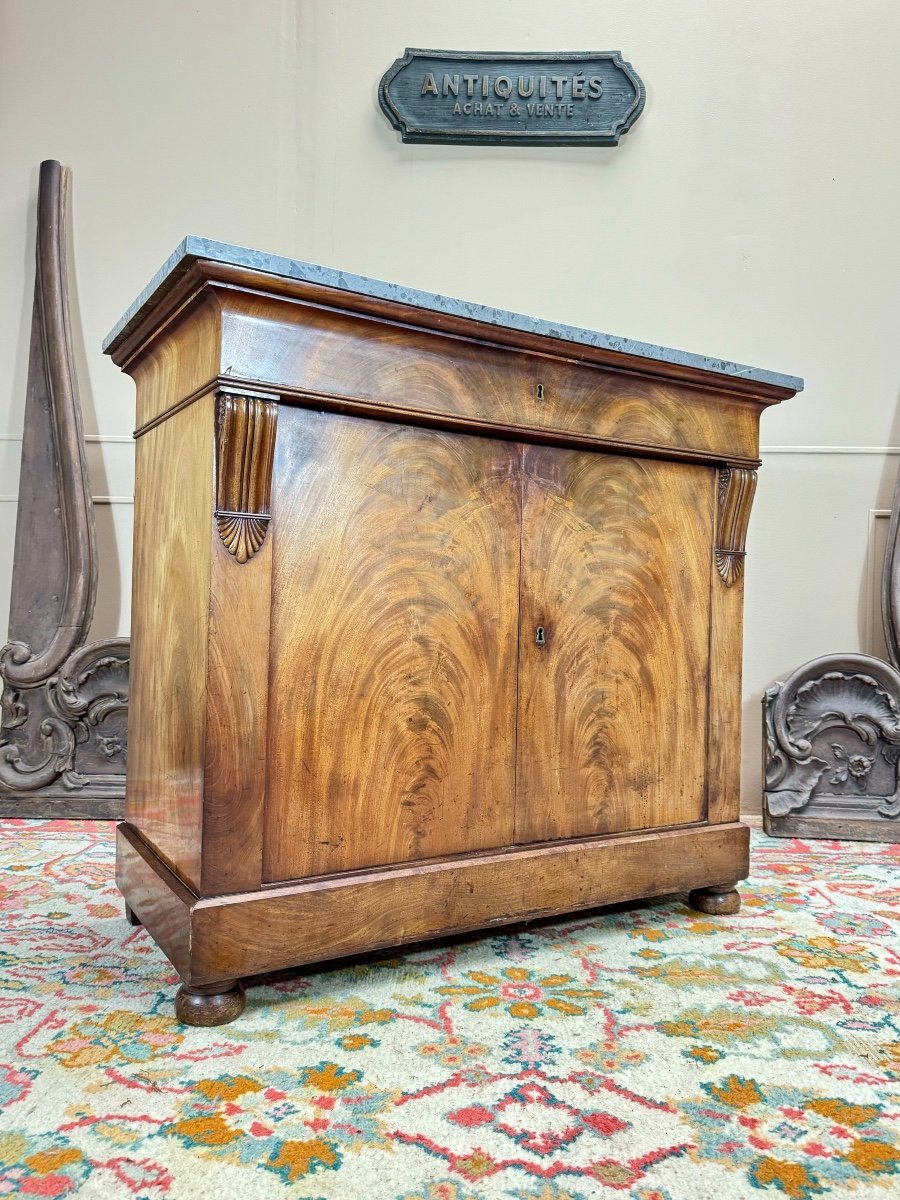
{"type": "Point", "coordinates": [193, 248]}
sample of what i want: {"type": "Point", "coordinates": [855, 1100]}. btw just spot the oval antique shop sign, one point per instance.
{"type": "Point", "coordinates": [552, 99]}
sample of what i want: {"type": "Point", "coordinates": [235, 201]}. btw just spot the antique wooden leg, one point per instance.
{"type": "Point", "coordinates": [131, 916]}
{"type": "Point", "coordinates": [213, 1004]}
{"type": "Point", "coordinates": [719, 900]}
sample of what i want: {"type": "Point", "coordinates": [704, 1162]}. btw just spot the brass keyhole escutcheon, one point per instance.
{"type": "Point", "coordinates": [539, 639]}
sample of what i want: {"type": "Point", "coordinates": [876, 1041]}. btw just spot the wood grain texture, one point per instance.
{"type": "Point", "coordinates": [393, 645]}
{"type": "Point", "coordinates": [612, 708]}
{"type": "Point", "coordinates": [344, 723]}
{"type": "Point", "coordinates": [721, 901]}
{"type": "Point", "coordinates": [237, 710]}
{"type": "Point", "coordinates": [835, 826]}
{"type": "Point", "coordinates": [170, 620]}
{"type": "Point", "coordinates": [238, 661]}
{"type": "Point", "coordinates": [243, 935]}
{"type": "Point", "coordinates": [155, 896]}
{"type": "Point", "coordinates": [54, 580]}
{"type": "Point", "coordinates": [58, 804]}
{"type": "Point", "coordinates": [183, 362]}
{"type": "Point", "coordinates": [62, 733]}
{"type": "Point", "coordinates": [723, 769]}
{"type": "Point", "coordinates": [459, 369]}
{"type": "Point", "coordinates": [338, 354]}
{"type": "Point", "coordinates": [207, 1006]}
{"type": "Point", "coordinates": [214, 940]}
{"type": "Point", "coordinates": [204, 277]}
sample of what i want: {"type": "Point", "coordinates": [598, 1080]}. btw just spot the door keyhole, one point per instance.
{"type": "Point", "coordinates": [539, 638]}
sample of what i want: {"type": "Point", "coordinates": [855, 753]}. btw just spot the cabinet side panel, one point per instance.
{"type": "Point", "coordinates": [393, 644]}
{"type": "Point", "coordinates": [173, 514]}
{"type": "Point", "coordinates": [735, 490]}
{"type": "Point", "coordinates": [613, 705]}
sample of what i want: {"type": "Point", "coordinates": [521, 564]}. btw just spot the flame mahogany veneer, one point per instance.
{"type": "Point", "coordinates": [437, 624]}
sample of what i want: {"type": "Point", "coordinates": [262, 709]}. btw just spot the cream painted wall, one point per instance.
{"type": "Point", "coordinates": [751, 214]}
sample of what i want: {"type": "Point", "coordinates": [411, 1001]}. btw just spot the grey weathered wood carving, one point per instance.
{"type": "Point", "coordinates": [832, 736]}
{"type": "Point", "coordinates": [64, 702]}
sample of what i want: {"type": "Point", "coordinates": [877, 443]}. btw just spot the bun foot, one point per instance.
{"type": "Point", "coordinates": [215, 1004]}
{"type": "Point", "coordinates": [719, 901]}
{"type": "Point", "coordinates": [131, 917]}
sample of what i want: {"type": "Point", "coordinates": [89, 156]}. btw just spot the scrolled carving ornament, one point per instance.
{"type": "Point", "coordinates": [245, 450]}
{"type": "Point", "coordinates": [834, 724]}
{"type": "Point", "coordinates": [41, 728]}
{"type": "Point", "coordinates": [737, 487]}
{"type": "Point", "coordinates": [63, 709]}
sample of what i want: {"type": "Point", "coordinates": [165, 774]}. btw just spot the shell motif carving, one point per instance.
{"type": "Point", "coordinates": [241, 534]}
{"type": "Point", "coordinates": [245, 451]}
{"type": "Point", "coordinates": [737, 487]}
{"type": "Point", "coordinates": [833, 739]}
{"type": "Point", "coordinates": [730, 566]}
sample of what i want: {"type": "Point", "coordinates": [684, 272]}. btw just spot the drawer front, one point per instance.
{"type": "Point", "coordinates": [393, 644]}
{"type": "Point", "coordinates": [338, 357]}
{"type": "Point", "coordinates": [616, 573]}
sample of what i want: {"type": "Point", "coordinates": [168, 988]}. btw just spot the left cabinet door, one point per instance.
{"type": "Point", "coordinates": [394, 627]}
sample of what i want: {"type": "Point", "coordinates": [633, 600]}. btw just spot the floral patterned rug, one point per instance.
{"type": "Point", "coordinates": [644, 1051]}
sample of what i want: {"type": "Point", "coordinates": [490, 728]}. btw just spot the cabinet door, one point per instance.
{"type": "Point", "coordinates": [616, 572]}
{"type": "Point", "coordinates": [393, 644]}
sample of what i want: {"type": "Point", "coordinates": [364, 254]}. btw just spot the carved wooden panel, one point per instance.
{"type": "Point", "coordinates": [393, 645]}
{"type": "Point", "coordinates": [833, 750]}
{"type": "Point", "coordinates": [64, 703]}
{"type": "Point", "coordinates": [612, 705]}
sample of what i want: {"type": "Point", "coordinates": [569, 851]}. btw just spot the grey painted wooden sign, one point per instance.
{"type": "Point", "coordinates": [584, 98]}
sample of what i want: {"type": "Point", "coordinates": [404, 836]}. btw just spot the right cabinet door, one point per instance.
{"type": "Point", "coordinates": [615, 643]}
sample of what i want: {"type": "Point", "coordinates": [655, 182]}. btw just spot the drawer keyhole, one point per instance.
{"type": "Point", "coordinates": [539, 638]}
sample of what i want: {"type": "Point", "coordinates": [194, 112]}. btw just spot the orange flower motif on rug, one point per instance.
{"type": "Point", "coordinates": [523, 994]}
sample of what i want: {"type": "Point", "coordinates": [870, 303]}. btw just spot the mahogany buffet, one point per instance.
{"type": "Point", "coordinates": [437, 618]}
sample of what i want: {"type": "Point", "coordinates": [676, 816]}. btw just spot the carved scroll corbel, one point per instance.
{"type": "Point", "coordinates": [737, 487]}
{"type": "Point", "coordinates": [245, 450]}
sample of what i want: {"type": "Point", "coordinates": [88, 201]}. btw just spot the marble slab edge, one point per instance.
{"type": "Point", "coordinates": [194, 248]}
